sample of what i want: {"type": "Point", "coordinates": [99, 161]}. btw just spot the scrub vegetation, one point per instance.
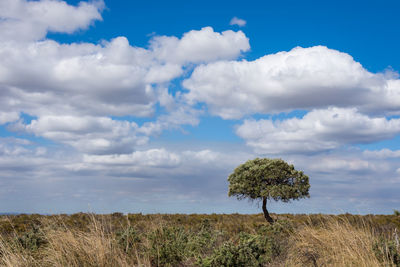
{"type": "Point", "coordinates": [199, 240]}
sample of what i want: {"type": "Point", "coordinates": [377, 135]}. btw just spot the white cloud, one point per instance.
{"type": "Point", "coordinates": [96, 135]}
{"type": "Point", "coordinates": [206, 155]}
{"type": "Point", "coordinates": [342, 164]}
{"type": "Point", "coordinates": [237, 21]}
{"type": "Point", "coordinates": [318, 130]}
{"type": "Point", "coordinates": [200, 46]}
{"type": "Point", "coordinates": [181, 115]}
{"type": "Point", "coordinates": [162, 164]}
{"type": "Point", "coordinates": [149, 158]}
{"type": "Point", "coordinates": [114, 78]}
{"type": "Point", "coordinates": [87, 83]}
{"type": "Point", "coordinates": [11, 146]}
{"type": "Point", "coordinates": [8, 117]}
{"type": "Point", "coordinates": [23, 20]}
{"type": "Point", "coordinates": [303, 78]}
{"type": "Point", "coordinates": [49, 78]}
{"type": "Point", "coordinates": [345, 166]}
{"type": "Point", "coordinates": [382, 154]}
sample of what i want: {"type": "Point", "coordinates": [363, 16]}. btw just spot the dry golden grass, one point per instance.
{"type": "Point", "coordinates": [334, 243]}
{"type": "Point", "coordinates": [66, 246]}
{"type": "Point", "coordinates": [96, 247]}
{"type": "Point", "coordinates": [13, 255]}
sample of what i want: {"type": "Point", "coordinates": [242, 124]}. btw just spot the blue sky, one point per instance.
{"type": "Point", "coordinates": [148, 106]}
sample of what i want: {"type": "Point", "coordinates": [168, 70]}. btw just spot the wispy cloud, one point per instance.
{"type": "Point", "coordinates": [237, 21]}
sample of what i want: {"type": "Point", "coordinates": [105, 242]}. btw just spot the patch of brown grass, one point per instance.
{"type": "Point", "coordinates": [95, 247]}
{"type": "Point", "coordinates": [335, 242]}
{"type": "Point", "coordinates": [13, 255]}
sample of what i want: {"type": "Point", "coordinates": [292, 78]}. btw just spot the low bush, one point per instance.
{"type": "Point", "coordinates": [32, 239]}
{"type": "Point", "coordinates": [250, 249]}
{"type": "Point", "coordinates": [387, 251]}
{"type": "Point", "coordinates": [167, 245]}
{"type": "Point", "coordinates": [128, 238]}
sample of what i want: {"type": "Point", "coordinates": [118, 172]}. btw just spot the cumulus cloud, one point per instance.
{"type": "Point", "coordinates": [96, 135]}
{"type": "Point", "coordinates": [317, 131]}
{"type": "Point", "coordinates": [303, 78]}
{"type": "Point", "coordinates": [113, 78]}
{"type": "Point", "coordinates": [181, 115]}
{"type": "Point", "coordinates": [103, 135]}
{"type": "Point", "coordinates": [109, 79]}
{"type": "Point", "coordinates": [23, 20]}
{"type": "Point", "coordinates": [86, 83]}
{"type": "Point", "coordinates": [72, 89]}
{"type": "Point", "coordinates": [237, 21]}
{"type": "Point", "coordinates": [200, 46]}
{"type": "Point", "coordinates": [8, 117]}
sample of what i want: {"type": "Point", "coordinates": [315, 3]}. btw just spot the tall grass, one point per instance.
{"type": "Point", "coordinates": [336, 242]}
{"type": "Point", "coordinates": [12, 254]}
{"type": "Point", "coordinates": [95, 247]}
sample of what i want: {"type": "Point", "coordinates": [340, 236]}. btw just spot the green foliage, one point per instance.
{"type": "Point", "coordinates": [251, 250]}
{"type": "Point", "coordinates": [269, 178]}
{"type": "Point", "coordinates": [387, 249]}
{"type": "Point", "coordinates": [396, 213]}
{"type": "Point", "coordinates": [276, 237]}
{"type": "Point", "coordinates": [167, 246]}
{"type": "Point", "coordinates": [128, 238]}
{"type": "Point", "coordinates": [203, 241]}
{"type": "Point", "coordinates": [32, 239]}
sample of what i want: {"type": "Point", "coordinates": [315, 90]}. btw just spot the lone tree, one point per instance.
{"type": "Point", "coordinates": [268, 179]}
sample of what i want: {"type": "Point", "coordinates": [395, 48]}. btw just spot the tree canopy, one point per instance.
{"type": "Point", "coordinates": [264, 178]}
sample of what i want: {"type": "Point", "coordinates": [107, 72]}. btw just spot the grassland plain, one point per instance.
{"type": "Point", "coordinates": [199, 240]}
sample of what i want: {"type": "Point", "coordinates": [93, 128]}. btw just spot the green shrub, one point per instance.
{"type": "Point", "coordinates": [248, 252]}
{"type": "Point", "coordinates": [202, 242]}
{"type": "Point", "coordinates": [167, 246]}
{"type": "Point", "coordinates": [128, 238]}
{"type": "Point", "coordinates": [251, 249]}
{"type": "Point", "coordinates": [32, 239]}
{"type": "Point", "coordinates": [387, 249]}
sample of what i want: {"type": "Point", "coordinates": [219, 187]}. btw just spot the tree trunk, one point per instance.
{"type": "Point", "coordinates": [266, 214]}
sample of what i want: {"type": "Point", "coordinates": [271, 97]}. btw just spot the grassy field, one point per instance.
{"type": "Point", "coordinates": [199, 240]}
